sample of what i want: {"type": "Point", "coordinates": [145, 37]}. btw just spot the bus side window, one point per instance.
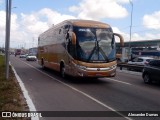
{"type": "Point", "coordinates": [60, 31]}
{"type": "Point", "coordinates": [69, 45]}
{"type": "Point", "coordinates": [65, 29]}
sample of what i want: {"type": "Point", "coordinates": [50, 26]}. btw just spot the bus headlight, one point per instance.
{"type": "Point", "coordinates": [81, 67]}
{"type": "Point", "coordinates": [113, 67]}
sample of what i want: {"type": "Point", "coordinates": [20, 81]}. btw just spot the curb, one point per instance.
{"type": "Point", "coordinates": [25, 93]}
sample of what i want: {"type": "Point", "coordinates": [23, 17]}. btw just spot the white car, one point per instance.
{"type": "Point", "coordinates": [141, 60]}
{"type": "Point", "coordinates": [23, 55]}
{"type": "Point", "coordinates": [31, 58]}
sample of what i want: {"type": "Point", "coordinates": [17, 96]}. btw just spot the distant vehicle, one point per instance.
{"type": "Point", "coordinates": [140, 60]}
{"type": "Point", "coordinates": [31, 57]}
{"type": "Point", "coordinates": [33, 51]}
{"type": "Point", "coordinates": [151, 71]}
{"type": "Point", "coordinates": [23, 55]}
{"type": "Point", "coordinates": [80, 48]}
{"type": "Point", "coordinates": [17, 52]}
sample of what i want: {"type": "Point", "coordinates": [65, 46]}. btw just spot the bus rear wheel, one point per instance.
{"type": "Point", "coordinates": [62, 71]}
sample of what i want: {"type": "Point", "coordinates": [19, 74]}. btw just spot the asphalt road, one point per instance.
{"type": "Point", "coordinates": [50, 92]}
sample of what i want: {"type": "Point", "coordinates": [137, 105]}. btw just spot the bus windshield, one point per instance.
{"type": "Point", "coordinates": [95, 44]}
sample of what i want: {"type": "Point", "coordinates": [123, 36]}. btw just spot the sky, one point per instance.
{"type": "Point", "coordinates": [30, 18]}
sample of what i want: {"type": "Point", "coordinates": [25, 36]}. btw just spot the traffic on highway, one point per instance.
{"type": "Point", "coordinates": [124, 96]}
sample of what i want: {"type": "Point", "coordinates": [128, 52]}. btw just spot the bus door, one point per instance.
{"type": "Point", "coordinates": [68, 47]}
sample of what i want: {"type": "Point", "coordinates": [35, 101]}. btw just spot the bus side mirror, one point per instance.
{"type": "Point", "coordinates": [121, 39]}
{"type": "Point", "coordinates": [73, 38]}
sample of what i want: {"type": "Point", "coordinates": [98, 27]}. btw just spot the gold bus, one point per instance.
{"type": "Point", "coordinates": [80, 48]}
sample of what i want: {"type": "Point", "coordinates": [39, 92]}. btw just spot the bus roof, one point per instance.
{"type": "Point", "coordinates": [88, 23]}
{"type": "Point", "coordinates": [80, 23]}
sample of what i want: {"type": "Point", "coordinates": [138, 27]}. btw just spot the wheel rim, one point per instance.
{"type": "Point", "coordinates": [146, 78]}
{"type": "Point", "coordinates": [63, 72]}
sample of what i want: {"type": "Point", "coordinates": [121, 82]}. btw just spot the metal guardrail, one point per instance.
{"type": "Point", "coordinates": [131, 66]}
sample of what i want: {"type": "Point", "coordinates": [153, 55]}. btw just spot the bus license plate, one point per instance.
{"type": "Point", "coordinates": [98, 74]}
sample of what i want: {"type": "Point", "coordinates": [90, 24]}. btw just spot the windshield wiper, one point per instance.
{"type": "Point", "coordinates": [98, 50]}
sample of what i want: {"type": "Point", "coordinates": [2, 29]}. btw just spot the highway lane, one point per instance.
{"type": "Point", "coordinates": [50, 95]}
{"type": "Point", "coordinates": [125, 92]}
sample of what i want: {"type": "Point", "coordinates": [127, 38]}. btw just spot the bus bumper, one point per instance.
{"type": "Point", "coordinates": [96, 72]}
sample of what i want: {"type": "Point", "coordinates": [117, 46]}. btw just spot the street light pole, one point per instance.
{"type": "Point", "coordinates": [130, 28]}
{"type": "Point", "coordinates": [7, 42]}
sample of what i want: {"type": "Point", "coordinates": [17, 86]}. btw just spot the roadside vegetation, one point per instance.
{"type": "Point", "coordinates": [11, 97]}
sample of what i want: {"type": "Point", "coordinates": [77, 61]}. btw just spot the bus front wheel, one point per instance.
{"type": "Point", "coordinates": [42, 63]}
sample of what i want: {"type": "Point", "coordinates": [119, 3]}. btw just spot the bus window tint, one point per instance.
{"type": "Point", "coordinates": [95, 44]}
{"type": "Point", "coordinates": [86, 42]}
{"type": "Point", "coordinates": [106, 42]}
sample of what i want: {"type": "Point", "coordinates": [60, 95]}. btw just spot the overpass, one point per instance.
{"type": "Point", "coordinates": [139, 48]}
{"type": "Point", "coordinates": [141, 44]}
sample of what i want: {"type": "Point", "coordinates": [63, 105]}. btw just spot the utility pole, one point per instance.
{"type": "Point", "coordinates": [130, 28]}
{"type": "Point", "coordinates": [7, 42]}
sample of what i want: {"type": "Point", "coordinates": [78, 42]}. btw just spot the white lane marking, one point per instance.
{"type": "Point", "coordinates": [129, 72]}
{"type": "Point", "coordinates": [26, 95]}
{"type": "Point", "coordinates": [79, 91]}
{"type": "Point", "coordinates": [119, 81]}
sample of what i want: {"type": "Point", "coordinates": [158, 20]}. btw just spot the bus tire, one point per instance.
{"type": "Point", "coordinates": [42, 63]}
{"type": "Point", "coordinates": [62, 70]}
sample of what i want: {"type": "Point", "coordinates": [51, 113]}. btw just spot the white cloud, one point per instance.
{"type": "Point", "coordinates": [125, 35]}
{"type": "Point", "coordinates": [99, 9]}
{"type": "Point", "coordinates": [136, 36]}
{"type": "Point", "coordinates": [152, 21]}
{"type": "Point", "coordinates": [14, 26]}
{"type": "Point", "coordinates": [116, 30]}
{"type": "Point", "coordinates": [2, 20]}
{"type": "Point", "coordinates": [152, 36]}
{"type": "Point", "coordinates": [53, 17]}
{"type": "Point", "coordinates": [40, 21]}
{"type": "Point", "coordinates": [26, 28]}
{"type": "Point", "coordinates": [123, 1]}
{"type": "Point", "coordinates": [32, 24]}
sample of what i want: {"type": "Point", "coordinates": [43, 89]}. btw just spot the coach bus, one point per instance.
{"type": "Point", "coordinates": [80, 48]}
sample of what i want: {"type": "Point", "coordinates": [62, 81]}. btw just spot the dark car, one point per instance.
{"type": "Point", "coordinates": [151, 71]}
